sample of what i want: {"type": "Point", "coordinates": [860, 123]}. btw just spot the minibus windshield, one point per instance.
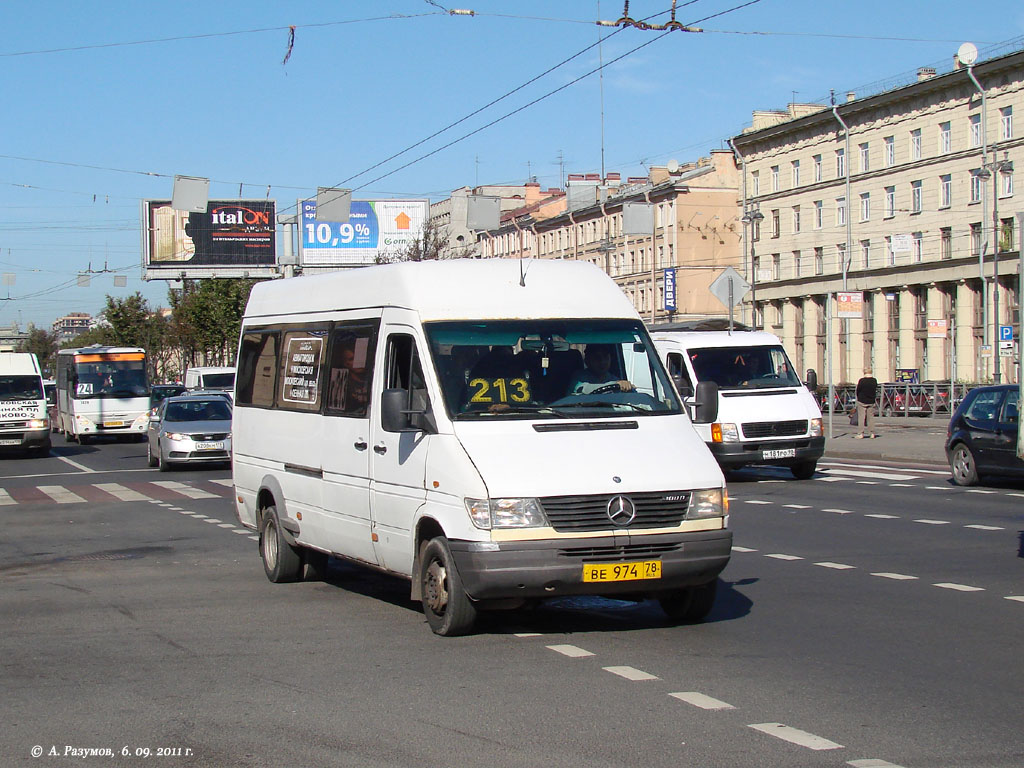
{"type": "Point", "coordinates": [756, 367]}
{"type": "Point", "coordinates": [549, 369]}
{"type": "Point", "coordinates": [21, 388]}
{"type": "Point", "coordinates": [111, 379]}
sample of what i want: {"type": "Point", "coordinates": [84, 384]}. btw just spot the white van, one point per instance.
{"type": "Point", "coordinates": [765, 414]}
{"type": "Point", "coordinates": [210, 377]}
{"type": "Point", "coordinates": [24, 421]}
{"type": "Point", "coordinates": [420, 418]}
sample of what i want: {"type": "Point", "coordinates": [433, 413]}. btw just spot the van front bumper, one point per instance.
{"type": "Point", "coordinates": [552, 568]}
{"type": "Point", "coordinates": [26, 438]}
{"type": "Point", "coordinates": [753, 452]}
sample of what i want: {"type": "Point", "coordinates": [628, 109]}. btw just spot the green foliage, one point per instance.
{"type": "Point", "coordinates": [207, 317]}
{"type": "Point", "coordinates": [43, 345]}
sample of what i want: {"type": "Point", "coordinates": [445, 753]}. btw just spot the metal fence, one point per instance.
{"type": "Point", "coordinates": [932, 399]}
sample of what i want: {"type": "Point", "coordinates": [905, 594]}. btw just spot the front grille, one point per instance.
{"type": "Point", "coordinates": [615, 554]}
{"type": "Point", "coordinates": [14, 425]}
{"type": "Point", "coordinates": [590, 513]}
{"type": "Point", "coordinates": [211, 436]}
{"type": "Point", "coordinates": [775, 428]}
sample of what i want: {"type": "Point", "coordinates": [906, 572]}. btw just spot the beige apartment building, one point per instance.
{"type": "Point", "coordinates": [696, 223]}
{"type": "Point", "coordinates": [904, 196]}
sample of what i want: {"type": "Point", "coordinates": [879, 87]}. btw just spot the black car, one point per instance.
{"type": "Point", "coordinates": [982, 435]}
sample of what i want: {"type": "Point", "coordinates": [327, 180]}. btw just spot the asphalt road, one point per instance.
{"type": "Point", "coordinates": [870, 617]}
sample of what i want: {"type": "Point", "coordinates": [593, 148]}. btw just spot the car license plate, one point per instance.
{"type": "Point", "coordinates": [8, 441]}
{"type": "Point", "coordinates": [645, 569]}
{"type": "Point", "coordinates": [210, 446]}
{"type": "Point", "coordinates": [781, 453]}
{"type": "Point", "coordinates": [113, 423]}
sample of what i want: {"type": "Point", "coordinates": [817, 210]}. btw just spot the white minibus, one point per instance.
{"type": "Point", "coordinates": [210, 377]}
{"type": "Point", "coordinates": [766, 415]}
{"type": "Point", "coordinates": [435, 420]}
{"type": "Point", "coordinates": [102, 391]}
{"type": "Point", "coordinates": [24, 422]}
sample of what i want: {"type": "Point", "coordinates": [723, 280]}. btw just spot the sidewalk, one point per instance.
{"type": "Point", "coordinates": [914, 439]}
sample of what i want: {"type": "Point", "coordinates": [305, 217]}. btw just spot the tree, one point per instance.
{"type": "Point", "coordinates": [43, 345]}
{"type": "Point", "coordinates": [207, 317]}
{"type": "Point", "coordinates": [430, 244]}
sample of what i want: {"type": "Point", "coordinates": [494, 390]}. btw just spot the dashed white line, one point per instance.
{"type": "Point", "coordinates": [756, 501]}
{"type": "Point", "coordinates": [932, 522]}
{"type": "Point", "coordinates": [797, 506]}
{"type": "Point", "coordinates": [1018, 598]}
{"type": "Point", "coordinates": [785, 557]}
{"type": "Point", "coordinates": [895, 576]}
{"type": "Point", "coordinates": [630, 673]}
{"type": "Point", "coordinates": [866, 482]}
{"type": "Point", "coordinates": [958, 587]}
{"type": "Point", "coordinates": [527, 634]}
{"type": "Point", "coordinates": [118, 491]}
{"type": "Point", "coordinates": [979, 490]}
{"type": "Point", "coordinates": [240, 531]}
{"type": "Point", "coordinates": [839, 511]}
{"type": "Point", "coordinates": [571, 651]}
{"type": "Point", "coordinates": [226, 525]}
{"type": "Point", "coordinates": [184, 490]}
{"type": "Point", "coordinates": [836, 566]}
{"type": "Point", "coordinates": [743, 549]}
{"type": "Point", "coordinates": [937, 488]}
{"type": "Point", "coordinates": [985, 527]}
{"type": "Point", "coordinates": [211, 520]}
{"type": "Point", "coordinates": [875, 475]}
{"type": "Point", "coordinates": [795, 736]}
{"type": "Point", "coordinates": [831, 479]}
{"type": "Point", "coordinates": [883, 517]}
{"type": "Point", "coordinates": [227, 483]}
{"type": "Point", "coordinates": [700, 700]}
{"type": "Point", "coordinates": [872, 763]}
{"type": "Point", "coordinates": [900, 485]}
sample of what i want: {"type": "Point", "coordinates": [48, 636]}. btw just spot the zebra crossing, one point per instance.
{"type": "Point", "coordinates": [101, 493]}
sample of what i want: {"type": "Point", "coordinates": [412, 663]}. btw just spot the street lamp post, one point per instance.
{"type": "Point", "coordinates": [752, 217]}
{"type": "Point", "coordinates": [995, 169]}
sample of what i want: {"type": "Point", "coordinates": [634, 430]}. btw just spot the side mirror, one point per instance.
{"type": "Point", "coordinates": [812, 380]}
{"type": "Point", "coordinates": [395, 415]}
{"type": "Point", "coordinates": [705, 406]}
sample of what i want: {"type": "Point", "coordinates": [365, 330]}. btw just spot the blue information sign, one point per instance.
{"type": "Point", "coordinates": [1006, 333]}
{"type": "Point", "coordinates": [670, 289]}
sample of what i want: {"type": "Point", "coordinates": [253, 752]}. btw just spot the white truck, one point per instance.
{"type": "Point", "coordinates": [211, 377]}
{"type": "Point", "coordinates": [766, 415]}
{"type": "Point", "coordinates": [24, 422]}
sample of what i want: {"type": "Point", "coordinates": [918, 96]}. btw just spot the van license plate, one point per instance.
{"type": "Point", "coordinates": [209, 446]}
{"type": "Point", "coordinates": [10, 442]}
{"type": "Point", "coordinates": [109, 424]}
{"type": "Point", "coordinates": [598, 572]}
{"type": "Point", "coordinates": [781, 453]}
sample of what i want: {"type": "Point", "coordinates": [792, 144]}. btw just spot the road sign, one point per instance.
{"type": "Point", "coordinates": [937, 328]}
{"type": "Point", "coordinates": [729, 287]}
{"type": "Point", "coordinates": [1005, 333]}
{"type": "Point", "coordinates": [850, 304]}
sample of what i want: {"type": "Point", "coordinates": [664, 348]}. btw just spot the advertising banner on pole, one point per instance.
{"type": "Point", "coordinates": [376, 230]}
{"type": "Point", "coordinates": [670, 289]}
{"type": "Point", "coordinates": [937, 329]}
{"type": "Point", "coordinates": [850, 304]}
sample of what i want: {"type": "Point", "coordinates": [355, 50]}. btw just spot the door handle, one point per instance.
{"type": "Point", "coordinates": [360, 444]}
{"type": "Point", "coordinates": [380, 448]}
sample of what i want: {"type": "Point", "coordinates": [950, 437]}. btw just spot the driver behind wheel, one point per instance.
{"type": "Point", "coordinates": [597, 373]}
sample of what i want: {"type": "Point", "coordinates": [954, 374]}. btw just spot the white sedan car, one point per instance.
{"type": "Point", "coordinates": [190, 429]}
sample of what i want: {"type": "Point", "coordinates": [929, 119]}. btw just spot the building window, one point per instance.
{"type": "Point", "coordinates": [865, 160]}
{"type": "Point", "coordinates": [976, 239]}
{"type": "Point", "coordinates": [945, 191]}
{"type": "Point", "coordinates": [976, 187]}
{"type": "Point", "coordinates": [841, 263]}
{"type": "Point", "coordinates": [865, 254]}
{"type": "Point", "coordinates": [865, 206]}
{"type": "Point", "coordinates": [1005, 235]}
{"type": "Point", "coordinates": [817, 167]}
{"type": "Point", "coordinates": [755, 230]}
{"type": "Point", "coordinates": [890, 151]}
{"type": "Point", "coordinates": [890, 202]}
{"type": "Point", "coordinates": [797, 264]}
{"type": "Point", "coordinates": [775, 178]}
{"type": "Point", "coordinates": [1005, 183]}
{"type": "Point", "coordinates": [946, 243]}
{"type": "Point", "coordinates": [819, 214]}
{"type": "Point", "coordinates": [975, 137]}
{"type": "Point", "coordinates": [1006, 123]}
{"type": "Point", "coordinates": [915, 144]}
{"type": "Point", "coordinates": [755, 182]}
{"type": "Point", "coordinates": [840, 211]}
{"type": "Point", "coordinates": [796, 173]}
{"type": "Point", "coordinates": [945, 138]}
{"type": "Point", "coordinates": [915, 197]}
{"type": "Point", "coordinates": [776, 266]}
{"type": "Point", "coordinates": [775, 222]}
{"type": "Point", "coordinates": [796, 219]}
{"type": "Point", "coordinates": [819, 261]}
{"type": "Point", "coordinates": [890, 254]}
{"type": "Point", "coordinates": [918, 246]}
{"type": "Point", "coordinates": [840, 163]}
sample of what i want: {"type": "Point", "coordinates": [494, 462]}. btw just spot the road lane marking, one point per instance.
{"type": "Point", "coordinates": [797, 506]}
{"type": "Point", "coordinates": [5, 498]}
{"type": "Point", "coordinates": [979, 490]}
{"type": "Point", "coordinates": [527, 634]}
{"type": "Point", "coordinates": [572, 651]}
{"type": "Point", "coordinates": [700, 700]}
{"type": "Point", "coordinates": [211, 520]}
{"type": "Point", "coordinates": [901, 485]}
{"type": "Point", "coordinates": [880, 516]}
{"type": "Point", "coordinates": [895, 576]}
{"type": "Point", "coordinates": [872, 763]}
{"type": "Point", "coordinates": [795, 736]}
{"type": "Point", "coordinates": [840, 511]}
{"type": "Point", "coordinates": [757, 501]}
{"type": "Point", "coordinates": [197, 515]}
{"type": "Point", "coordinates": [1018, 598]}
{"type": "Point", "coordinates": [226, 525]}
{"type": "Point", "coordinates": [242, 531]}
{"type": "Point", "coordinates": [785, 557]}
{"type": "Point", "coordinates": [118, 491]}
{"type": "Point", "coordinates": [915, 470]}
{"type": "Point", "coordinates": [830, 479]}
{"type": "Point", "coordinates": [60, 494]}
{"type": "Point", "coordinates": [937, 488]}
{"type": "Point", "coordinates": [1018, 495]}
{"type": "Point", "coordinates": [227, 483]}
{"type": "Point", "coordinates": [932, 522]}
{"type": "Point", "coordinates": [866, 482]}
{"type": "Point", "coordinates": [874, 475]}
{"type": "Point", "coordinates": [958, 587]}
{"type": "Point", "coordinates": [76, 465]}
{"type": "Point", "coordinates": [184, 490]}
{"type": "Point", "coordinates": [985, 527]}
{"type": "Point", "coordinates": [630, 673]}
{"type": "Point", "coordinates": [836, 566]}
{"type": "Point", "coordinates": [743, 549]}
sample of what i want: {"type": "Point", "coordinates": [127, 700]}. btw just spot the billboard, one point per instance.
{"type": "Point", "coordinates": [376, 230]}
{"type": "Point", "coordinates": [229, 233]}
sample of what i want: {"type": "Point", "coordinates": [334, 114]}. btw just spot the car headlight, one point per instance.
{"type": "Point", "coordinates": [506, 513]}
{"type": "Point", "coordinates": [177, 436]}
{"type": "Point", "coordinates": [711, 502]}
{"type": "Point", "coordinates": [38, 423]}
{"type": "Point", "coordinates": [724, 433]}
{"type": "Point", "coordinates": [816, 428]}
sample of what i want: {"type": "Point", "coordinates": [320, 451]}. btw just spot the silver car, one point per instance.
{"type": "Point", "coordinates": [190, 429]}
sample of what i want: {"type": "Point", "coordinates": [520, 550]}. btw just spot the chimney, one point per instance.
{"type": "Point", "coordinates": [850, 96]}
{"type": "Point", "coordinates": [925, 73]}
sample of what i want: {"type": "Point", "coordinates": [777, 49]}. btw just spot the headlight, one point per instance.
{"type": "Point", "coordinates": [724, 433]}
{"type": "Point", "coordinates": [177, 436]}
{"type": "Point", "coordinates": [38, 423]}
{"type": "Point", "coordinates": [707, 503]}
{"type": "Point", "coordinates": [506, 513]}
{"type": "Point", "coordinates": [816, 428]}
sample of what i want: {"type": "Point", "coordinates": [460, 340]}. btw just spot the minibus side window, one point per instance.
{"type": "Point", "coordinates": [404, 371]}
{"type": "Point", "coordinates": [257, 365]}
{"type": "Point", "coordinates": [677, 370]}
{"type": "Point", "coordinates": [350, 370]}
{"type": "Point", "coordinates": [301, 362]}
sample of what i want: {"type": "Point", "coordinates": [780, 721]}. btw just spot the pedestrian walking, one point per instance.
{"type": "Point", "coordinates": [867, 391]}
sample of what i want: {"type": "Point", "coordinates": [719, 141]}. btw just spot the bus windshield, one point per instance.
{"type": "Point", "coordinates": [757, 367]}
{"type": "Point", "coordinates": [549, 369]}
{"type": "Point", "coordinates": [21, 388]}
{"type": "Point", "coordinates": [111, 379]}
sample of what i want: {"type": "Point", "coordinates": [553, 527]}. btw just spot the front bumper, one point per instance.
{"type": "Point", "coordinates": [752, 451]}
{"type": "Point", "coordinates": [27, 438]}
{"type": "Point", "coordinates": [553, 568]}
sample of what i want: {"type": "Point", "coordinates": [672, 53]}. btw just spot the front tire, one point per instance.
{"type": "Point", "coordinates": [160, 462]}
{"type": "Point", "coordinates": [963, 466]}
{"type": "Point", "coordinates": [690, 604]}
{"type": "Point", "coordinates": [282, 562]}
{"type": "Point", "coordinates": [446, 605]}
{"type": "Point", "coordinates": [804, 470]}
{"type": "Point", "coordinates": [151, 460]}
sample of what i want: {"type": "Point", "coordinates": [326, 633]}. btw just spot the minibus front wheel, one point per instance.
{"type": "Point", "coordinates": [282, 562]}
{"type": "Point", "coordinates": [446, 605]}
{"type": "Point", "coordinates": [689, 603]}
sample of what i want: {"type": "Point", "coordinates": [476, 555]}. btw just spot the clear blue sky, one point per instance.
{"type": "Point", "coordinates": [105, 102]}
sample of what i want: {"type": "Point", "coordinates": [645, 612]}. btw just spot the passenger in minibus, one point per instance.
{"type": "Point", "coordinates": [597, 373]}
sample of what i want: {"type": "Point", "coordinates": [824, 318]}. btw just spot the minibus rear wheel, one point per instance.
{"type": "Point", "coordinates": [689, 603]}
{"type": "Point", "coordinates": [281, 561]}
{"type": "Point", "coordinates": [446, 605]}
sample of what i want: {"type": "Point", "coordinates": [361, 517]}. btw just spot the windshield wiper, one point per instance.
{"type": "Point", "coordinates": [605, 404]}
